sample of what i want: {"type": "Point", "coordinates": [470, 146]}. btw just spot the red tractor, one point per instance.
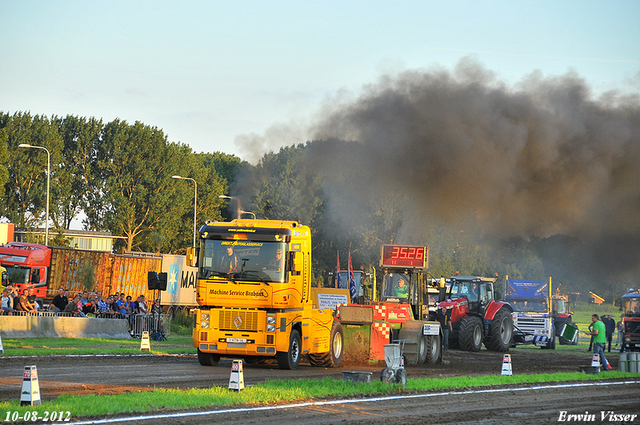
{"type": "Point", "coordinates": [476, 317]}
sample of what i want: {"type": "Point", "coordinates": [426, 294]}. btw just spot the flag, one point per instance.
{"type": "Point", "coordinates": [352, 280]}
{"type": "Point", "coordinates": [338, 283]}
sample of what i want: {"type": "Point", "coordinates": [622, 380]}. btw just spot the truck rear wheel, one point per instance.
{"type": "Point", "coordinates": [501, 331]}
{"type": "Point", "coordinates": [208, 359]}
{"type": "Point", "coordinates": [333, 358]}
{"type": "Point", "coordinates": [291, 358]}
{"type": "Point", "coordinates": [470, 333]}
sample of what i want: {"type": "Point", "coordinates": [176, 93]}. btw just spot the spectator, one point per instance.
{"type": "Point", "coordinates": [131, 305]}
{"type": "Point", "coordinates": [620, 334]}
{"type": "Point", "coordinates": [103, 307]}
{"type": "Point", "coordinates": [444, 317]}
{"type": "Point", "coordinates": [32, 300]}
{"type": "Point", "coordinates": [14, 297]}
{"type": "Point", "coordinates": [98, 296]}
{"type": "Point", "coordinates": [610, 328]}
{"type": "Point", "coordinates": [599, 340]}
{"type": "Point", "coordinates": [6, 302]}
{"type": "Point", "coordinates": [120, 304]}
{"type": "Point", "coordinates": [115, 310]}
{"type": "Point", "coordinates": [23, 301]}
{"type": "Point", "coordinates": [142, 305]}
{"type": "Point", "coordinates": [60, 301]}
{"type": "Point", "coordinates": [85, 298]}
{"type": "Point", "coordinates": [72, 306]}
{"type": "Point", "coordinates": [90, 308]}
{"type": "Point", "coordinates": [156, 308]}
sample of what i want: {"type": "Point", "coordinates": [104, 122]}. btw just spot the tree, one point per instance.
{"type": "Point", "coordinates": [26, 188]}
{"type": "Point", "coordinates": [77, 185]}
{"type": "Point", "coordinates": [135, 163]}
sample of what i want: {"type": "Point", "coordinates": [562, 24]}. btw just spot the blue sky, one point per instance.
{"type": "Point", "coordinates": [207, 72]}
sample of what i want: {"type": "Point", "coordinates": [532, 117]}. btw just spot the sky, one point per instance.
{"type": "Point", "coordinates": [211, 74]}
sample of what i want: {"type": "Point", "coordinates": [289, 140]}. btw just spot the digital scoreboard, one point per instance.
{"type": "Point", "coordinates": [405, 256]}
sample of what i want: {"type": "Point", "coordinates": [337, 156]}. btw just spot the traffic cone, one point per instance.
{"type": "Point", "coordinates": [595, 362]}
{"type": "Point", "coordinates": [506, 365]}
{"type": "Point", "coordinates": [30, 395]}
{"type": "Point", "coordinates": [144, 342]}
{"type": "Point", "coordinates": [1, 347]}
{"type": "Point", "coordinates": [236, 380]}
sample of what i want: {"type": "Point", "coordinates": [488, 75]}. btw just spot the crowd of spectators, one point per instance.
{"type": "Point", "coordinates": [82, 304]}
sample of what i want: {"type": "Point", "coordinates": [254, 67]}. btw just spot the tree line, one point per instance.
{"type": "Point", "coordinates": [117, 177]}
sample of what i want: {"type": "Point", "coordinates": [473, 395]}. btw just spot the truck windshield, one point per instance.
{"type": "Point", "coordinates": [248, 261]}
{"type": "Point", "coordinates": [17, 274]}
{"type": "Point", "coordinates": [632, 307]}
{"type": "Point", "coordinates": [528, 305]}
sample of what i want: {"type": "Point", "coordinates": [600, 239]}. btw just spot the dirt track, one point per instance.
{"type": "Point", "coordinates": [112, 374]}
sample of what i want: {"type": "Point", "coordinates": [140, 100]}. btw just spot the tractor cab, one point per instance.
{"type": "Point", "coordinates": [478, 292]}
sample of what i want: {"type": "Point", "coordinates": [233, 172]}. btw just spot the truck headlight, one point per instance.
{"type": "Point", "coordinates": [271, 320]}
{"type": "Point", "coordinates": [204, 325]}
{"type": "Point", "coordinates": [204, 317]}
{"type": "Point", "coordinates": [271, 328]}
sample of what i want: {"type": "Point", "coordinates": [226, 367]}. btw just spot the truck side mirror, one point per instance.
{"type": "Point", "coordinates": [35, 276]}
{"type": "Point", "coordinates": [291, 265]}
{"type": "Point", "coordinates": [192, 257]}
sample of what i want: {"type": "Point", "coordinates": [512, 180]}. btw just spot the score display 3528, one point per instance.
{"type": "Point", "coordinates": [405, 256]}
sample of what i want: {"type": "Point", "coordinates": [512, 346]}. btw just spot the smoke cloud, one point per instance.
{"type": "Point", "coordinates": [538, 158]}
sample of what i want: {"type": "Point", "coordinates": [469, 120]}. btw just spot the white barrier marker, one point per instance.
{"type": "Point", "coordinates": [30, 395]}
{"type": "Point", "coordinates": [506, 365]}
{"type": "Point", "coordinates": [236, 381]}
{"type": "Point", "coordinates": [144, 342]}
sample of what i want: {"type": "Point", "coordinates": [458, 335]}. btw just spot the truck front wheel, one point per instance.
{"type": "Point", "coordinates": [208, 359]}
{"type": "Point", "coordinates": [290, 359]}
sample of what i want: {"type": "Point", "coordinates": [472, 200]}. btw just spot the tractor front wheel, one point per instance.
{"type": "Point", "coordinates": [470, 333]}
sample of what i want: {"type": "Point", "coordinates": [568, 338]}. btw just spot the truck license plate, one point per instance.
{"type": "Point", "coordinates": [240, 340]}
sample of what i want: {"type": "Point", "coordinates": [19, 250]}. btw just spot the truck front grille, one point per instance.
{"type": "Point", "coordinates": [238, 320]}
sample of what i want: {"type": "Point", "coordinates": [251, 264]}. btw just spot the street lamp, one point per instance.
{"type": "Point", "coordinates": [195, 203]}
{"type": "Point", "coordinates": [26, 145]}
{"type": "Point", "coordinates": [239, 209]}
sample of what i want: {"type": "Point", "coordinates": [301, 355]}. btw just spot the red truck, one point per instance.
{"type": "Point", "coordinates": [46, 269]}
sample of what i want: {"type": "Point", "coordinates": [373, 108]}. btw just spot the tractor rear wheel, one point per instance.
{"type": "Point", "coordinates": [434, 349]}
{"type": "Point", "coordinates": [470, 333]}
{"type": "Point", "coordinates": [501, 333]}
{"type": "Point", "coordinates": [333, 357]}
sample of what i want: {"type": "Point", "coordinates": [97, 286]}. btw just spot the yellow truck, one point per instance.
{"type": "Point", "coordinates": [255, 298]}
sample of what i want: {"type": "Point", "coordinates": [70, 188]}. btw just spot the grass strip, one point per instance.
{"type": "Point", "coordinates": [67, 346]}
{"type": "Point", "coordinates": [275, 391]}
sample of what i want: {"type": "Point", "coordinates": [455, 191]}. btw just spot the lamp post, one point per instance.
{"type": "Point", "coordinates": [26, 145]}
{"type": "Point", "coordinates": [195, 203]}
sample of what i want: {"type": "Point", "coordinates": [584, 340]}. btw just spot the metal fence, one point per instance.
{"type": "Point", "coordinates": [158, 325]}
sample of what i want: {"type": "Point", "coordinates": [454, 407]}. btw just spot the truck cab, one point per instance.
{"type": "Point", "coordinates": [631, 320]}
{"type": "Point", "coordinates": [254, 295]}
{"type": "Point", "coordinates": [26, 265]}
{"type": "Point", "coordinates": [531, 312]}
